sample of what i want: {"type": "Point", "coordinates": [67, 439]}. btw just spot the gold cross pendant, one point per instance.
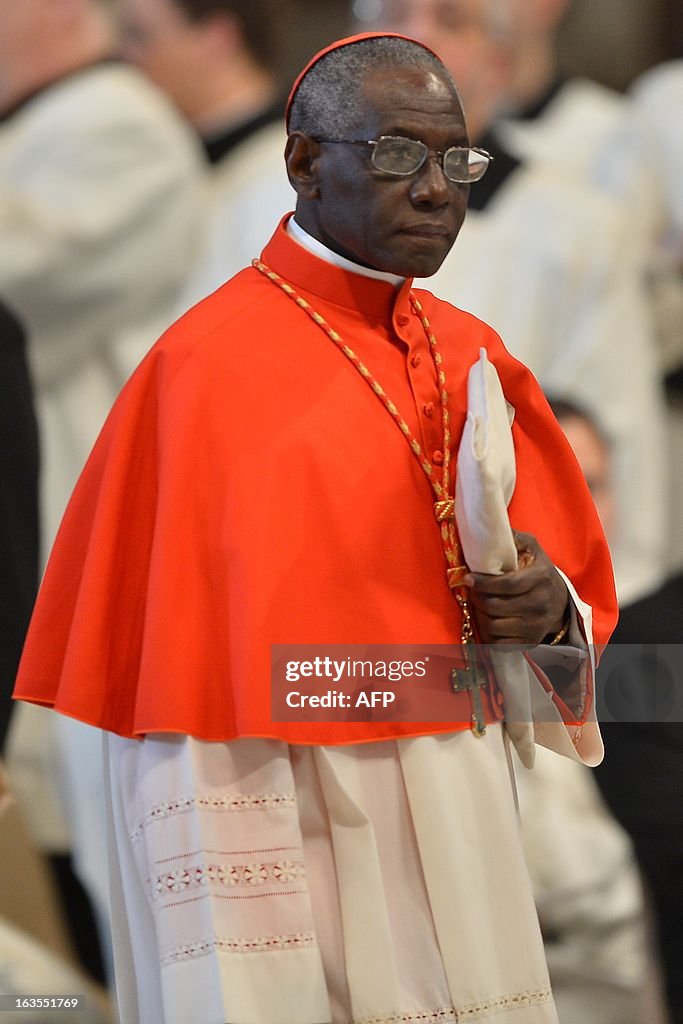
{"type": "Point", "coordinates": [470, 678]}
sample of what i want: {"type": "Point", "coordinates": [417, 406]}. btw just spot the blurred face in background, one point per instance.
{"type": "Point", "coordinates": [41, 40]}
{"type": "Point", "coordinates": [593, 456]}
{"type": "Point", "coordinates": [18, 21]}
{"type": "Point", "coordinates": [468, 37]}
{"type": "Point", "coordinates": [165, 44]}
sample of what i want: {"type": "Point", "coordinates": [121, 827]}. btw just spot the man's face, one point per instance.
{"type": "Point", "coordinates": [164, 43]}
{"type": "Point", "coordinates": [403, 225]}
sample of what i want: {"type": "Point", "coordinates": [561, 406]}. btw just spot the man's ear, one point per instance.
{"type": "Point", "coordinates": [301, 158]}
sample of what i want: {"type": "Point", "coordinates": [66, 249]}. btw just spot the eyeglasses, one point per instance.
{"type": "Point", "coordinates": [392, 154]}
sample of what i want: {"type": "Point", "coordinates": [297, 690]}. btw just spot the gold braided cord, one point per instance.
{"type": "Point", "coordinates": [444, 508]}
{"type": "Point", "coordinates": [362, 369]}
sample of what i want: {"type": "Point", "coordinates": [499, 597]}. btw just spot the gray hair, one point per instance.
{"type": "Point", "coordinates": [329, 97]}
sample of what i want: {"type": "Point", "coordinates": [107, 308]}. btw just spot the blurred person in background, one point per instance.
{"type": "Point", "coordinates": [642, 775]}
{"type": "Point", "coordinates": [657, 105]}
{"type": "Point", "coordinates": [586, 883]}
{"type": "Point", "coordinates": [98, 211]}
{"type": "Point", "coordinates": [570, 122]}
{"type": "Point", "coordinates": [18, 506]}
{"type": "Point", "coordinates": [32, 961]}
{"type": "Point", "coordinates": [629, 148]}
{"type": "Point", "coordinates": [99, 204]}
{"type": "Point", "coordinates": [641, 778]}
{"type": "Point", "coordinates": [214, 59]}
{"type": "Point", "coordinates": [570, 302]}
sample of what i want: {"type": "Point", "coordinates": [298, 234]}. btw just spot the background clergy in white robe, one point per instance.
{"type": "Point", "coordinates": [657, 114]}
{"type": "Point", "coordinates": [98, 217]}
{"type": "Point", "coordinates": [215, 62]}
{"type": "Point", "coordinates": [99, 207]}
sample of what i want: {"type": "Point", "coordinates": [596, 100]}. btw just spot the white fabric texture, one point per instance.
{"type": "Point", "coordinates": [486, 474]}
{"type": "Point", "coordinates": [248, 194]}
{"type": "Point", "coordinates": [259, 883]}
{"type": "Point", "coordinates": [657, 117]}
{"type": "Point", "coordinates": [658, 107]}
{"type": "Point", "coordinates": [485, 483]}
{"type": "Point", "coordinates": [585, 132]}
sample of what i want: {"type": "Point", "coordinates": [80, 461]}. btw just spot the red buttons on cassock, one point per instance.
{"type": "Point", "coordinates": [428, 410]}
{"type": "Point", "coordinates": [437, 457]}
{"type": "Point", "coordinates": [416, 360]}
{"type": "Point", "coordinates": [402, 320]}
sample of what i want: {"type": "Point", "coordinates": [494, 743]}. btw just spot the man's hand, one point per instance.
{"type": "Point", "coordinates": [520, 607]}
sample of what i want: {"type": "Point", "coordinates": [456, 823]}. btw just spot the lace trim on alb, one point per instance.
{"type": "Point", "coordinates": [197, 876]}
{"type": "Point", "coordinates": [444, 1015]}
{"type": "Point", "coordinates": [449, 1015]}
{"type": "Point", "coordinates": [260, 944]}
{"type": "Point", "coordinates": [514, 1001]}
{"type": "Point", "coordinates": [241, 802]}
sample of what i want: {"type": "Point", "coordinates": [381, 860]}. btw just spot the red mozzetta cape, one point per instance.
{"type": "Point", "coordinates": [249, 488]}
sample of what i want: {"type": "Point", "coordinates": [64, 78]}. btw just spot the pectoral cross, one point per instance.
{"type": "Point", "coordinates": [471, 678]}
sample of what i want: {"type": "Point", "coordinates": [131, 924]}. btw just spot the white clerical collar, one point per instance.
{"type": "Point", "coordinates": [318, 249]}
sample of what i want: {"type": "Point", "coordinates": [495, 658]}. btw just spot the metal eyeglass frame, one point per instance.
{"type": "Point", "coordinates": [426, 151]}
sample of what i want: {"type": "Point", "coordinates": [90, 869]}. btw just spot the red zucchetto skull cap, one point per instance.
{"type": "Point", "coordinates": [348, 41]}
